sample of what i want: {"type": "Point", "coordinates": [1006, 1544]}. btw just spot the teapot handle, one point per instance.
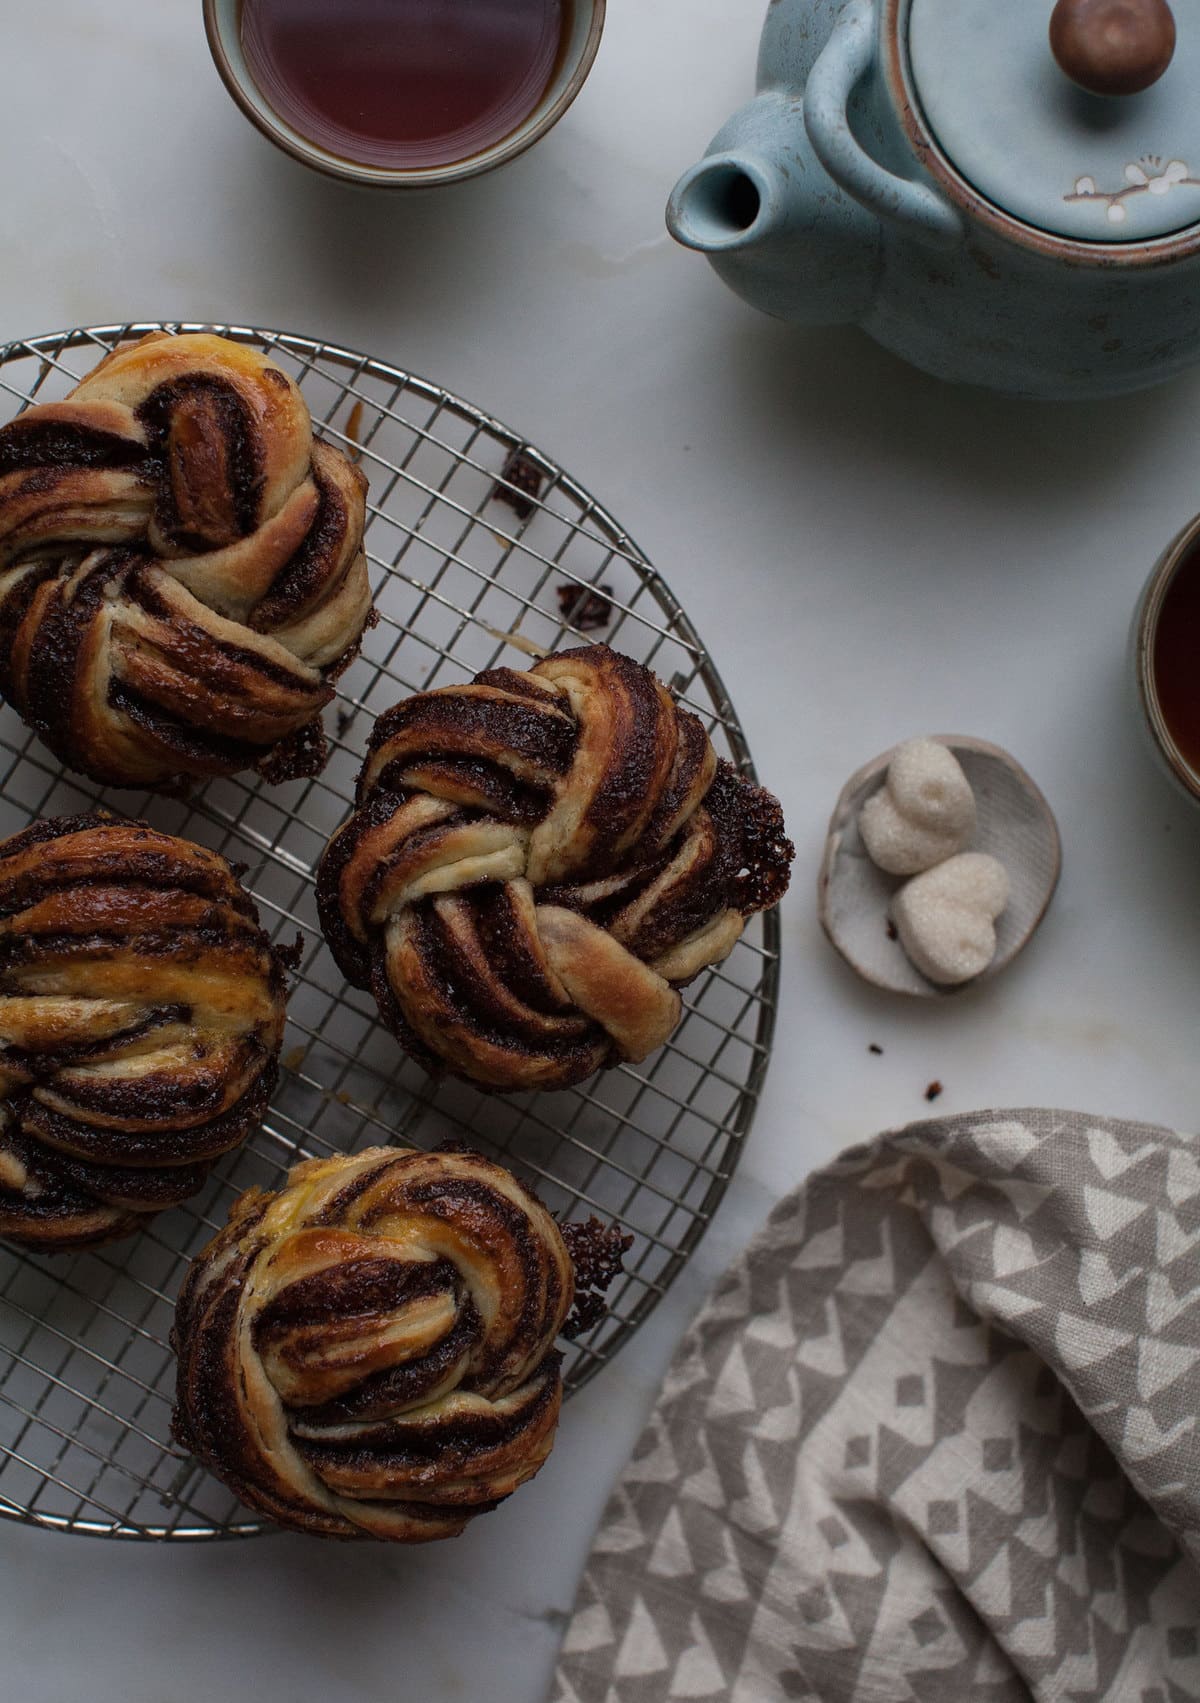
{"type": "Point", "coordinates": [847, 57]}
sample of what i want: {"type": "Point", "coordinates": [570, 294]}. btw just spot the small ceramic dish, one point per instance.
{"type": "Point", "coordinates": [583, 26]}
{"type": "Point", "coordinates": [1013, 823]}
{"type": "Point", "coordinates": [1143, 641]}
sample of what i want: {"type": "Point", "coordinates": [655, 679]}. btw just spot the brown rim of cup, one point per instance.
{"type": "Point", "coordinates": [311, 154]}
{"type": "Point", "coordinates": [1153, 597]}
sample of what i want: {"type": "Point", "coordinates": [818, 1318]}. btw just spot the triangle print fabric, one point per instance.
{"type": "Point", "coordinates": [933, 1439]}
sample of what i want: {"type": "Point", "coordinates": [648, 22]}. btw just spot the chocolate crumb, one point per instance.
{"type": "Point", "coordinates": [891, 930]}
{"type": "Point", "coordinates": [590, 1307]}
{"type": "Point", "coordinates": [874, 1047]}
{"type": "Point", "coordinates": [520, 484]}
{"type": "Point", "coordinates": [291, 955]}
{"type": "Point", "coordinates": [751, 818]}
{"type": "Point", "coordinates": [585, 607]}
{"type": "Point", "coordinates": [345, 720]}
{"type": "Point", "coordinates": [933, 1090]}
{"type": "Point", "coordinates": [597, 1252]}
{"type": "Point", "coordinates": [299, 756]}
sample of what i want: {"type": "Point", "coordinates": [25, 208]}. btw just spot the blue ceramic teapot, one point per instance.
{"type": "Point", "coordinates": [1004, 194]}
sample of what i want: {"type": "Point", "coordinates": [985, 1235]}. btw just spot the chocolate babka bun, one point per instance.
{"type": "Point", "coordinates": [141, 1014]}
{"type": "Point", "coordinates": [370, 1352]}
{"type": "Point", "coordinates": [538, 862]}
{"type": "Point", "coordinates": [181, 567]}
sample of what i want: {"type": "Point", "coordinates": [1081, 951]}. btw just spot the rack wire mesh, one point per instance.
{"type": "Point", "coordinates": [481, 551]}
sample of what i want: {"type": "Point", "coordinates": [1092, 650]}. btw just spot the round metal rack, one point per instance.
{"type": "Point", "coordinates": [482, 551]}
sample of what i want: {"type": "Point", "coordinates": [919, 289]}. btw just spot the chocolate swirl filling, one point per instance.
{"type": "Point", "coordinates": [538, 863]}
{"type": "Point", "coordinates": [141, 1014]}
{"type": "Point", "coordinates": [181, 567]}
{"type": "Point", "coordinates": [371, 1351]}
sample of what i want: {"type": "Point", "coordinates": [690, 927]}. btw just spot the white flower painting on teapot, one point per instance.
{"type": "Point", "coordinates": [1148, 176]}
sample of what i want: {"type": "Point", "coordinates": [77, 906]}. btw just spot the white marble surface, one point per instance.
{"type": "Point", "coordinates": [870, 554]}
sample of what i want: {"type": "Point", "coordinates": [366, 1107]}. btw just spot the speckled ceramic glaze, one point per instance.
{"type": "Point", "coordinates": [927, 171]}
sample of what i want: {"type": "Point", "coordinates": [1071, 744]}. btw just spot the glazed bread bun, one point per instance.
{"type": "Point", "coordinates": [538, 862]}
{"type": "Point", "coordinates": [141, 1015]}
{"type": "Point", "coordinates": [181, 567]}
{"type": "Point", "coordinates": [370, 1352]}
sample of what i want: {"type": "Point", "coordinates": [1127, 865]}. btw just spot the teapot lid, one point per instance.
{"type": "Point", "coordinates": [1080, 118]}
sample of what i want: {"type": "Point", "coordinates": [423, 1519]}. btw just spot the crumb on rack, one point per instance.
{"type": "Point", "coordinates": [874, 1047]}
{"type": "Point", "coordinates": [345, 719]}
{"type": "Point", "coordinates": [754, 817]}
{"type": "Point", "coordinates": [585, 607]}
{"type": "Point", "coordinates": [299, 756]}
{"type": "Point", "coordinates": [520, 484]}
{"type": "Point", "coordinates": [597, 1252]}
{"type": "Point", "coordinates": [518, 641]}
{"type": "Point", "coordinates": [354, 430]}
{"type": "Point", "coordinates": [933, 1091]}
{"type": "Point", "coordinates": [293, 953]}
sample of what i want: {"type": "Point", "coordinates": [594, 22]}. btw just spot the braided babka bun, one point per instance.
{"type": "Point", "coordinates": [141, 1014]}
{"type": "Point", "coordinates": [181, 567]}
{"type": "Point", "coordinates": [370, 1352]}
{"type": "Point", "coordinates": [538, 862]}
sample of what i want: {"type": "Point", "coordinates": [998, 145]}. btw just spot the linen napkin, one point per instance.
{"type": "Point", "coordinates": [934, 1437]}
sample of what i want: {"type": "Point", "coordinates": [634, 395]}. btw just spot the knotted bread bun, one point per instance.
{"type": "Point", "coordinates": [371, 1350]}
{"type": "Point", "coordinates": [141, 1014]}
{"type": "Point", "coordinates": [538, 862]}
{"type": "Point", "coordinates": [181, 566]}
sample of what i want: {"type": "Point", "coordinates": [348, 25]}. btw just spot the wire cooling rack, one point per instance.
{"type": "Point", "coordinates": [481, 550]}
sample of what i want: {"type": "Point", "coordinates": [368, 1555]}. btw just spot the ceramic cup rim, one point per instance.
{"type": "Point", "coordinates": [1162, 576]}
{"type": "Point", "coordinates": [220, 24]}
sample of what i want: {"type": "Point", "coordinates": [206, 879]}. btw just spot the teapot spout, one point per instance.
{"type": "Point", "coordinates": [727, 201]}
{"type": "Point", "coordinates": [774, 225]}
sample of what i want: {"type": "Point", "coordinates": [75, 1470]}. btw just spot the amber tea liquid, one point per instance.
{"type": "Point", "coordinates": [1175, 658]}
{"type": "Point", "coordinates": [403, 84]}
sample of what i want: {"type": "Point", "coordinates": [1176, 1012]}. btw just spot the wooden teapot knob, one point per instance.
{"type": "Point", "coordinates": [1113, 47]}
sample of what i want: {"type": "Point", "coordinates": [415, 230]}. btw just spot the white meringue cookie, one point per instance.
{"type": "Point", "coordinates": [923, 813]}
{"type": "Point", "coordinates": [946, 917]}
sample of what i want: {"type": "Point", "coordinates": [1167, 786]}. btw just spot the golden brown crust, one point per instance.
{"type": "Point", "coordinates": [141, 1015]}
{"type": "Point", "coordinates": [181, 566]}
{"type": "Point", "coordinates": [538, 862]}
{"type": "Point", "coordinates": [370, 1352]}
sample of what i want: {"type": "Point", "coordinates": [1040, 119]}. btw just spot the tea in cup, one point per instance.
{"type": "Point", "coordinates": [1166, 658]}
{"type": "Point", "coordinates": [404, 92]}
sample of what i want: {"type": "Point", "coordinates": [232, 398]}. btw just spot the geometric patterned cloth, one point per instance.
{"type": "Point", "coordinates": [932, 1440]}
